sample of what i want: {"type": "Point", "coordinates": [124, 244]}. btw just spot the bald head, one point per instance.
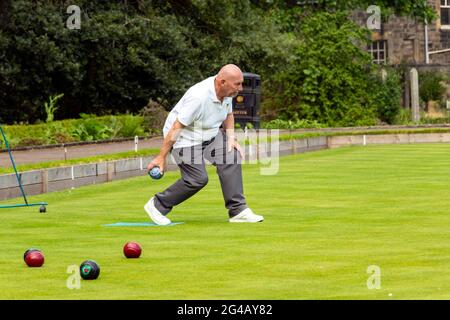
{"type": "Point", "coordinates": [228, 81]}
{"type": "Point", "coordinates": [229, 71]}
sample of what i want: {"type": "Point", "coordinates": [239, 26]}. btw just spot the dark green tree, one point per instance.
{"type": "Point", "coordinates": [126, 53]}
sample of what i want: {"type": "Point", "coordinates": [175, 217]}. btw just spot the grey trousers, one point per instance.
{"type": "Point", "coordinates": [191, 161]}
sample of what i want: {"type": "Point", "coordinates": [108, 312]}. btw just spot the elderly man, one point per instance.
{"type": "Point", "coordinates": [192, 133]}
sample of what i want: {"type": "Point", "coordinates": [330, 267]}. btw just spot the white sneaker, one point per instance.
{"type": "Point", "coordinates": [247, 216]}
{"type": "Point", "coordinates": [156, 216]}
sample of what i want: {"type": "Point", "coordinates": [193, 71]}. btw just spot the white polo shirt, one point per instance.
{"type": "Point", "coordinates": [201, 112]}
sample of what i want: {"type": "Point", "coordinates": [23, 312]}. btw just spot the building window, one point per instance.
{"type": "Point", "coordinates": [445, 12]}
{"type": "Point", "coordinates": [378, 50]}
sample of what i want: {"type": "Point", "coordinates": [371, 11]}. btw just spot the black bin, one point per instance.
{"type": "Point", "coordinates": [247, 103]}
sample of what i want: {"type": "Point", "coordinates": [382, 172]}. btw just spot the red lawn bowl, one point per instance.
{"type": "Point", "coordinates": [132, 250]}
{"type": "Point", "coordinates": [34, 258]}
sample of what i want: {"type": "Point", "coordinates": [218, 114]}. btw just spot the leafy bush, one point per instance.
{"type": "Point", "coordinates": [56, 133]}
{"type": "Point", "coordinates": [130, 126]}
{"type": "Point", "coordinates": [387, 95]}
{"type": "Point", "coordinates": [154, 115]}
{"type": "Point", "coordinates": [88, 128]}
{"type": "Point", "coordinates": [323, 83]}
{"type": "Point", "coordinates": [242, 126]}
{"type": "Point", "coordinates": [431, 87]}
{"type": "Point", "coordinates": [289, 124]}
{"type": "Point", "coordinates": [443, 120]}
{"type": "Point", "coordinates": [26, 142]}
{"type": "Point", "coordinates": [108, 127]}
{"type": "Point", "coordinates": [404, 117]}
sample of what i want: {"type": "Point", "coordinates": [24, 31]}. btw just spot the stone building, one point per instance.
{"type": "Point", "coordinates": [404, 40]}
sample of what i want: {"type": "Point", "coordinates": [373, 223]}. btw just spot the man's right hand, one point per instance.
{"type": "Point", "coordinates": [159, 161]}
{"type": "Point", "coordinates": [169, 141]}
